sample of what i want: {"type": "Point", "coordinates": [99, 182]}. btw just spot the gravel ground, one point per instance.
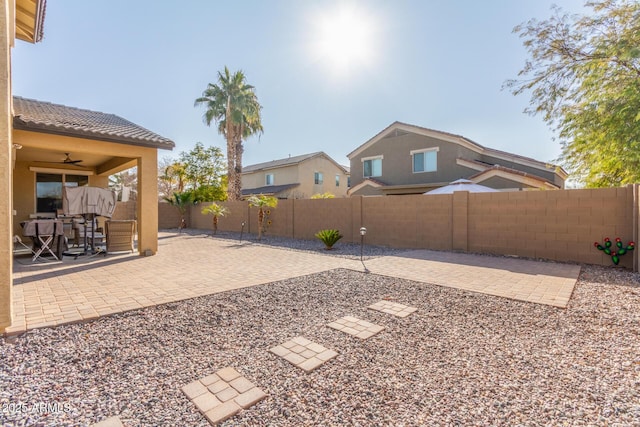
{"type": "Point", "coordinates": [341, 249]}
{"type": "Point", "coordinates": [461, 359]}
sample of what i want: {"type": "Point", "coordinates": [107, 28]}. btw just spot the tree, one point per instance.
{"type": "Point", "coordinates": [174, 174]}
{"type": "Point", "coordinates": [234, 106]}
{"type": "Point", "coordinates": [198, 171]}
{"type": "Point", "coordinates": [202, 166]}
{"type": "Point", "coordinates": [216, 210]}
{"type": "Point", "coordinates": [181, 201]}
{"type": "Point", "coordinates": [260, 201]}
{"type": "Point", "coordinates": [326, 195]}
{"type": "Point", "coordinates": [584, 78]}
{"type": "Point", "coordinates": [125, 179]}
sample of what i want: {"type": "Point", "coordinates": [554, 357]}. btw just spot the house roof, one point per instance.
{"type": "Point", "coordinates": [288, 162]}
{"type": "Point", "coordinates": [457, 139]}
{"type": "Point", "coordinates": [39, 116]}
{"type": "Point", "coordinates": [509, 173]}
{"type": "Point", "coordinates": [268, 189]}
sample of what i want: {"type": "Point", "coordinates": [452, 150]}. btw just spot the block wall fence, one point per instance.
{"type": "Point", "coordinates": [559, 225]}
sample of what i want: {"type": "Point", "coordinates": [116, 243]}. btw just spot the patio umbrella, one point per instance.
{"type": "Point", "coordinates": [462, 185]}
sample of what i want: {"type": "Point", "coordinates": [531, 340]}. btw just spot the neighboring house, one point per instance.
{"type": "Point", "coordinates": [298, 177]}
{"type": "Point", "coordinates": [408, 159]}
{"type": "Point", "coordinates": [36, 135]}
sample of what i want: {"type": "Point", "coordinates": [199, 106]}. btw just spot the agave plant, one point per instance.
{"type": "Point", "coordinates": [217, 211]}
{"type": "Point", "coordinates": [329, 237]}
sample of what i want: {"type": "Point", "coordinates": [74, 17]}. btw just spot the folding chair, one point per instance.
{"type": "Point", "coordinates": [44, 233]}
{"type": "Point", "coordinates": [17, 242]}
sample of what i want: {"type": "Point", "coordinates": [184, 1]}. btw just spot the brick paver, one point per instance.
{"type": "Point", "coordinates": [187, 266]}
{"type": "Point", "coordinates": [520, 279]}
{"type": "Point", "coordinates": [356, 327]}
{"type": "Point", "coordinates": [222, 395]}
{"type": "Point", "coordinates": [303, 353]}
{"type": "Point", "coordinates": [393, 308]}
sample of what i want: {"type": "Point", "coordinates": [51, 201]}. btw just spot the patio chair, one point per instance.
{"type": "Point", "coordinates": [120, 235]}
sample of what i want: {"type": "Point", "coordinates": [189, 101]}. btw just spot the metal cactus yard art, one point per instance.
{"type": "Point", "coordinates": [616, 251]}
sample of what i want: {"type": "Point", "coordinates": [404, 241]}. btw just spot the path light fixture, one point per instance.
{"type": "Point", "coordinates": [242, 230]}
{"type": "Point", "coordinates": [363, 231]}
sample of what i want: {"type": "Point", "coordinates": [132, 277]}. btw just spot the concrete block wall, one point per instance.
{"type": "Point", "coordinates": [559, 225]}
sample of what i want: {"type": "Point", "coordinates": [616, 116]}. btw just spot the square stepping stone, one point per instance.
{"type": "Point", "coordinates": [109, 422]}
{"type": "Point", "coordinates": [393, 308]}
{"type": "Point", "coordinates": [356, 327]}
{"type": "Point", "coordinates": [222, 395]}
{"type": "Point", "coordinates": [303, 353]}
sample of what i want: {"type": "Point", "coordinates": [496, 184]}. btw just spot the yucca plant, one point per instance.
{"type": "Point", "coordinates": [329, 237]}
{"type": "Point", "coordinates": [216, 210]}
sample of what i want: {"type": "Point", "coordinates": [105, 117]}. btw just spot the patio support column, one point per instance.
{"type": "Point", "coordinates": [460, 213]}
{"type": "Point", "coordinates": [6, 167]}
{"type": "Point", "coordinates": [147, 205]}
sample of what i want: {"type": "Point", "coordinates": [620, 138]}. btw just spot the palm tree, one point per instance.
{"type": "Point", "coordinates": [234, 106]}
{"type": "Point", "coordinates": [182, 202]}
{"type": "Point", "coordinates": [260, 201]}
{"type": "Point", "coordinates": [216, 210]}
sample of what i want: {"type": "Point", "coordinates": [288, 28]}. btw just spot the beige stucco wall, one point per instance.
{"type": "Point", "coordinates": [397, 167]}
{"type": "Point", "coordinates": [283, 175]}
{"type": "Point", "coordinates": [6, 245]}
{"type": "Point", "coordinates": [302, 173]}
{"type": "Point", "coordinates": [145, 158]}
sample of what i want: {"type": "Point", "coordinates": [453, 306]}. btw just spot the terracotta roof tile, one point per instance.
{"type": "Point", "coordinates": [46, 117]}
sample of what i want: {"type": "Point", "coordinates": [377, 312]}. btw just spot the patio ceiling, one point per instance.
{"type": "Point", "coordinates": [54, 159]}
{"type": "Point", "coordinates": [30, 20]}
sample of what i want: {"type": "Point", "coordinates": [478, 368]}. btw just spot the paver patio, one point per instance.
{"type": "Point", "coordinates": [188, 266]}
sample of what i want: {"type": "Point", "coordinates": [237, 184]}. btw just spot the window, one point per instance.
{"type": "Point", "coordinates": [425, 160]}
{"type": "Point", "coordinates": [49, 189]}
{"type": "Point", "coordinates": [317, 178]}
{"type": "Point", "coordinates": [268, 179]}
{"type": "Point", "coordinates": [337, 180]}
{"type": "Point", "coordinates": [372, 167]}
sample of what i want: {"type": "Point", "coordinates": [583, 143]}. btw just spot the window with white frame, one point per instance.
{"type": "Point", "coordinates": [269, 179]}
{"type": "Point", "coordinates": [372, 166]}
{"type": "Point", "coordinates": [337, 180]}
{"type": "Point", "coordinates": [425, 160]}
{"type": "Point", "coordinates": [317, 178]}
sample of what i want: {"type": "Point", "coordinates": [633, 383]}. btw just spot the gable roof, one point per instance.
{"type": "Point", "coordinates": [39, 116]}
{"type": "Point", "coordinates": [268, 190]}
{"type": "Point", "coordinates": [399, 127]}
{"type": "Point", "coordinates": [288, 162]}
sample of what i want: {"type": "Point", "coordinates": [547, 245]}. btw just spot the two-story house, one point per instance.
{"type": "Point", "coordinates": [408, 159]}
{"type": "Point", "coordinates": [298, 177]}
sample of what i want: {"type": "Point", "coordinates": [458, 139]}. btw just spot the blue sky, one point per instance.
{"type": "Point", "coordinates": [434, 63]}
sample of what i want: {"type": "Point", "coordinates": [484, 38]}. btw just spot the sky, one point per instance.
{"type": "Point", "coordinates": [329, 74]}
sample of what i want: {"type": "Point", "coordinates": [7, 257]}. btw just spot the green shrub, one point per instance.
{"type": "Point", "coordinates": [329, 237]}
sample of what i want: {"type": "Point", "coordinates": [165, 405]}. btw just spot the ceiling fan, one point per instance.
{"type": "Point", "coordinates": [66, 161]}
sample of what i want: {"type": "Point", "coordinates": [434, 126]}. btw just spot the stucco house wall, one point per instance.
{"type": "Point", "coordinates": [456, 157]}
{"type": "Point", "coordinates": [298, 170]}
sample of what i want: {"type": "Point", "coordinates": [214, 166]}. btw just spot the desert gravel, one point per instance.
{"type": "Point", "coordinates": [461, 359]}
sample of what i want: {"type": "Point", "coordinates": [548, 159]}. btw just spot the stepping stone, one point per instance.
{"type": "Point", "coordinates": [393, 308]}
{"type": "Point", "coordinates": [109, 422]}
{"type": "Point", "coordinates": [222, 395]}
{"type": "Point", "coordinates": [356, 327]}
{"type": "Point", "coordinates": [303, 353]}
